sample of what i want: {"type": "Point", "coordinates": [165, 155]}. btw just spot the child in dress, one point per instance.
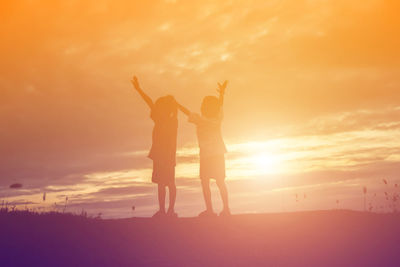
{"type": "Point", "coordinates": [212, 148]}
{"type": "Point", "coordinates": [163, 150]}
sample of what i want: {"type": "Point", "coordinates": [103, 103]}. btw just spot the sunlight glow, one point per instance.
{"type": "Point", "coordinates": [265, 163]}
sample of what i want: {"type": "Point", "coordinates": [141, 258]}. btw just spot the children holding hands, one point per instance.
{"type": "Point", "coordinates": [211, 147]}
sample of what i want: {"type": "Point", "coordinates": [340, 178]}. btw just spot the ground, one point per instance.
{"type": "Point", "coordinates": [318, 238]}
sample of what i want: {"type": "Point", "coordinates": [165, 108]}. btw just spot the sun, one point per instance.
{"type": "Point", "coordinates": [265, 163]}
{"type": "Point", "coordinates": [257, 159]}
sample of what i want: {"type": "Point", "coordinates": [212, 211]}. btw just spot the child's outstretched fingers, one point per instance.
{"type": "Point", "coordinates": [222, 87]}
{"type": "Point", "coordinates": [135, 82]}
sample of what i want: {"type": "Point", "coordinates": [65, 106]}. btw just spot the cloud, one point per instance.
{"type": "Point", "coordinates": [21, 202]}
{"type": "Point", "coordinates": [122, 191]}
{"type": "Point", "coordinates": [385, 119]}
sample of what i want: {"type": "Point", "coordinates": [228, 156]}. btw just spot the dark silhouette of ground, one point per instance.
{"type": "Point", "coordinates": [319, 238]}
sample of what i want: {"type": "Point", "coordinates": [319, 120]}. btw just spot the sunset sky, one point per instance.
{"type": "Point", "coordinates": [312, 108]}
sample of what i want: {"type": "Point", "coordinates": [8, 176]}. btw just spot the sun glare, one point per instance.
{"type": "Point", "coordinates": [265, 163]}
{"type": "Point", "coordinates": [257, 159]}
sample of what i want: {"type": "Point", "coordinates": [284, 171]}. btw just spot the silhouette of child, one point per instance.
{"type": "Point", "coordinates": [212, 148]}
{"type": "Point", "coordinates": [163, 150]}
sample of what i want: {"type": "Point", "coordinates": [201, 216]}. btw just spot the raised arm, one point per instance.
{"type": "Point", "coordinates": [221, 91]}
{"type": "Point", "coordinates": [145, 97]}
{"type": "Point", "coordinates": [183, 109]}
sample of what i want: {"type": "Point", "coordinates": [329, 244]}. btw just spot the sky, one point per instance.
{"type": "Point", "coordinates": [311, 114]}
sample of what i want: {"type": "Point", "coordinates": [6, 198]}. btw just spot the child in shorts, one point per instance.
{"type": "Point", "coordinates": [212, 148]}
{"type": "Point", "coordinates": [163, 150]}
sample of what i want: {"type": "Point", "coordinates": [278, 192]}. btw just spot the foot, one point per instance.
{"type": "Point", "coordinates": [225, 213]}
{"type": "Point", "coordinates": [207, 213]}
{"type": "Point", "coordinates": [159, 214]}
{"type": "Point", "coordinates": [172, 214]}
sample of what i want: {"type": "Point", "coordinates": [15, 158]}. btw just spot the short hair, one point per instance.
{"type": "Point", "coordinates": [165, 107]}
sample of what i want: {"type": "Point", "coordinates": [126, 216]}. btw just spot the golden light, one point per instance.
{"type": "Point", "coordinates": [265, 163]}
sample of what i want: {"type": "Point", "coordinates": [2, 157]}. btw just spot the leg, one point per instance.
{"type": "Point", "coordinates": [205, 183]}
{"type": "Point", "coordinates": [161, 197]}
{"type": "Point", "coordinates": [172, 197]}
{"type": "Point", "coordinates": [224, 193]}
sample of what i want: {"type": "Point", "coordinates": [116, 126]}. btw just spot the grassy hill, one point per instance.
{"type": "Point", "coordinates": [319, 238]}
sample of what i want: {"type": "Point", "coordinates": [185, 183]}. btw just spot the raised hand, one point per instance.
{"type": "Point", "coordinates": [135, 83]}
{"type": "Point", "coordinates": [221, 90]}
{"type": "Point", "coordinates": [145, 97]}
{"type": "Point", "coordinates": [222, 87]}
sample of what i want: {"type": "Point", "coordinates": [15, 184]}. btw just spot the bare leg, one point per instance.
{"type": "Point", "coordinates": [205, 183]}
{"type": "Point", "coordinates": [224, 193]}
{"type": "Point", "coordinates": [172, 197]}
{"type": "Point", "coordinates": [161, 197]}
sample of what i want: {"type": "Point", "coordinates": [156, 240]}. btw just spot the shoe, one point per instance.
{"type": "Point", "coordinates": [159, 214]}
{"type": "Point", "coordinates": [225, 213]}
{"type": "Point", "coordinates": [207, 213]}
{"type": "Point", "coordinates": [172, 214]}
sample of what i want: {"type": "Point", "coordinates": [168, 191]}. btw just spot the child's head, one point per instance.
{"type": "Point", "coordinates": [210, 107]}
{"type": "Point", "coordinates": [165, 108]}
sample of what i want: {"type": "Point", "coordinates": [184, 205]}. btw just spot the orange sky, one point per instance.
{"type": "Point", "coordinates": [312, 105]}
